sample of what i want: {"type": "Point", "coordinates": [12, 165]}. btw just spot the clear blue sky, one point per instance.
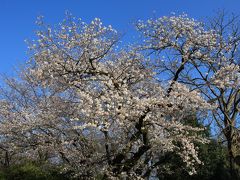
{"type": "Point", "coordinates": [17, 17]}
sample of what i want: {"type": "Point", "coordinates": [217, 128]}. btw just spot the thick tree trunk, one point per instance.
{"type": "Point", "coordinates": [232, 167]}
{"type": "Point", "coordinates": [231, 158]}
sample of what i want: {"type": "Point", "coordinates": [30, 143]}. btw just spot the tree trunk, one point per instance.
{"type": "Point", "coordinates": [229, 135]}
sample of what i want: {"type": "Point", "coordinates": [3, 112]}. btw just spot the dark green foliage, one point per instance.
{"type": "Point", "coordinates": [215, 165]}
{"type": "Point", "coordinates": [31, 171]}
{"type": "Point", "coordinates": [213, 155]}
{"type": "Point", "coordinates": [215, 162]}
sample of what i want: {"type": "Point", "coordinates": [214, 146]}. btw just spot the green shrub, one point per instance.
{"type": "Point", "coordinates": [31, 171]}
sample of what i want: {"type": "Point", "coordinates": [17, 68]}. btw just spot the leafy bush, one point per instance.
{"type": "Point", "coordinates": [30, 171]}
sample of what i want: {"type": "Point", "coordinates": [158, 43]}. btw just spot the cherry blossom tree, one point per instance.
{"type": "Point", "coordinates": [101, 110]}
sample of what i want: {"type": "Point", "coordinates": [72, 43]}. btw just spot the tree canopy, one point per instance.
{"type": "Point", "coordinates": [97, 108]}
